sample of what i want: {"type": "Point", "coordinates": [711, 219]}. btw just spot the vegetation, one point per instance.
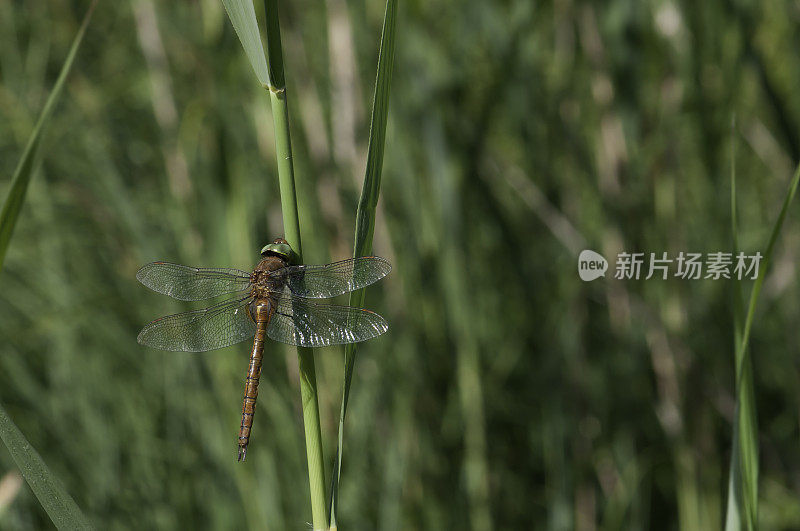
{"type": "Point", "coordinates": [507, 394]}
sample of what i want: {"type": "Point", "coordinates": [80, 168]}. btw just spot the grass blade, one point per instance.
{"type": "Point", "coordinates": [743, 483]}
{"type": "Point", "coordinates": [60, 506]}
{"type": "Point", "coordinates": [24, 170]}
{"type": "Point", "coordinates": [767, 259]}
{"type": "Point", "coordinates": [738, 302]}
{"type": "Point", "coordinates": [243, 17]}
{"type": "Point", "coordinates": [365, 215]}
{"type": "Point", "coordinates": [736, 510]}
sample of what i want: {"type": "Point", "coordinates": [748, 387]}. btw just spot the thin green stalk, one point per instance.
{"type": "Point", "coordinates": [308, 378]}
{"type": "Point", "coordinates": [744, 463]}
{"type": "Point", "coordinates": [24, 170]}
{"type": "Point", "coordinates": [735, 501]}
{"type": "Point", "coordinates": [742, 347]}
{"type": "Point", "coordinates": [738, 303]}
{"type": "Point", "coordinates": [291, 227]}
{"type": "Point", "coordinates": [736, 509]}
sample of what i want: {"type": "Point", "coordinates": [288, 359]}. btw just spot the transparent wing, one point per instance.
{"type": "Point", "coordinates": [330, 280]}
{"type": "Point", "coordinates": [308, 323]}
{"type": "Point", "coordinates": [192, 283]}
{"type": "Point", "coordinates": [218, 326]}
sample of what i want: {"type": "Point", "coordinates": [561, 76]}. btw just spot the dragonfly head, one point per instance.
{"type": "Point", "coordinates": [281, 248]}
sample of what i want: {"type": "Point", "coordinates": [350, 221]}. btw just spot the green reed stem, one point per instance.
{"type": "Point", "coordinates": [291, 227]}
{"type": "Point", "coordinates": [308, 377]}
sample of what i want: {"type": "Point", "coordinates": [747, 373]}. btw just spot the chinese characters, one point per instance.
{"type": "Point", "coordinates": [687, 266]}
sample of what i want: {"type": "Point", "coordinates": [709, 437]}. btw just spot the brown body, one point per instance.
{"type": "Point", "coordinates": [261, 309]}
{"type": "Point", "coordinates": [276, 300]}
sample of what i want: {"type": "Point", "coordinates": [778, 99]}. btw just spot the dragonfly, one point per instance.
{"type": "Point", "coordinates": [278, 299]}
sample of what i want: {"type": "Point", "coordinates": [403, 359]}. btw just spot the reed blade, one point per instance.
{"type": "Point", "coordinates": [742, 509]}
{"type": "Point", "coordinates": [365, 215]}
{"type": "Point", "coordinates": [242, 15]}
{"type": "Point", "coordinates": [59, 505]}
{"type": "Point", "coordinates": [25, 166]}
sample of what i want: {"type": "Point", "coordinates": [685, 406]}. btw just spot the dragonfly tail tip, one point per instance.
{"type": "Point", "coordinates": [242, 453]}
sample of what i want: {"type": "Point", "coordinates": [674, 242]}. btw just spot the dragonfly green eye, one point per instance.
{"type": "Point", "coordinates": [281, 249]}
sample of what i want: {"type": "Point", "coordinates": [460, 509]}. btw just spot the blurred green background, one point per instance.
{"type": "Point", "coordinates": [508, 394]}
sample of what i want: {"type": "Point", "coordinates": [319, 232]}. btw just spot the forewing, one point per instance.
{"type": "Point", "coordinates": [218, 326]}
{"type": "Point", "coordinates": [309, 323]}
{"type": "Point", "coordinates": [192, 283]}
{"type": "Point", "coordinates": [330, 280]}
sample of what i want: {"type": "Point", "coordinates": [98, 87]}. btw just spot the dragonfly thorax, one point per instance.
{"type": "Point", "coordinates": [262, 280]}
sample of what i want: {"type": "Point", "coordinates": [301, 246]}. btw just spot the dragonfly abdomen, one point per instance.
{"type": "Point", "coordinates": [262, 315]}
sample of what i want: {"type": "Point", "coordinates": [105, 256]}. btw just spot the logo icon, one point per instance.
{"type": "Point", "coordinates": [591, 265]}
